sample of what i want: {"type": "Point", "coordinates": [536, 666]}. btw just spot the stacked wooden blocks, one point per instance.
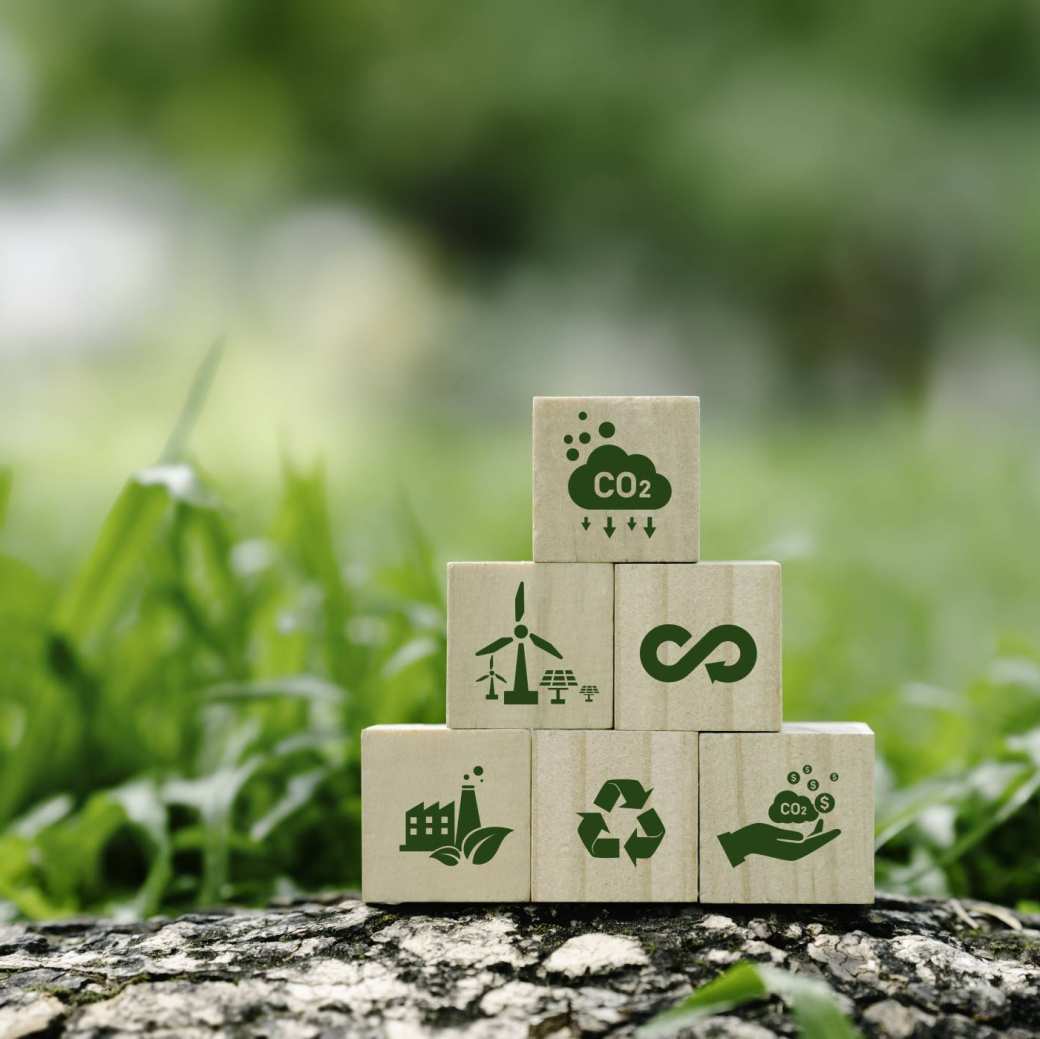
{"type": "Point", "coordinates": [615, 727]}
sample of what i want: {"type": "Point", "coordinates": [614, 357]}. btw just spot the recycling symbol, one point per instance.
{"type": "Point", "coordinates": [644, 839]}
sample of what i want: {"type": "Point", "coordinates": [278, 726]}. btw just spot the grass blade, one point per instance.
{"type": "Point", "coordinates": [92, 599]}
{"type": "Point", "coordinates": [201, 384]}
{"type": "Point", "coordinates": [5, 492]}
{"type": "Point", "coordinates": [812, 1002]}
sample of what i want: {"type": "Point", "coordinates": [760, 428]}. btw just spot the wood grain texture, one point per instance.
{"type": "Point", "coordinates": [742, 775]}
{"type": "Point", "coordinates": [666, 430]}
{"type": "Point", "coordinates": [698, 597]}
{"type": "Point", "coordinates": [406, 765]}
{"type": "Point", "coordinates": [569, 604]}
{"type": "Point", "coordinates": [569, 770]}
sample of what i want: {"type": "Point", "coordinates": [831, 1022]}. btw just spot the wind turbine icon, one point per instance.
{"type": "Point", "coordinates": [491, 678]}
{"type": "Point", "coordinates": [521, 693]}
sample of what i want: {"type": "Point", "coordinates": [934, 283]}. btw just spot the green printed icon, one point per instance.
{"type": "Point", "coordinates": [491, 676]}
{"type": "Point", "coordinates": [613, 480]}
{"type": "Point", "coordinates": [698, 653]}
{"type": "Point", "coordinates": [448, 838]}
{"type": "Point", "coordinates": [779, 841]}
{"type": "Point", "coordinates": [522, 692]}
{"type": "Point", "coordinates": [644, 839]}
{"type": "Point", "coordinates": [558, 680]}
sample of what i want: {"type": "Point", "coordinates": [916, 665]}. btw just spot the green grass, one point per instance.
{"type": "Point", "coordinates": [180, 720]}
{"type": "Point", "coordinates": [180, 715]}
{"type": "Point", "coordinates": [812, 1002]}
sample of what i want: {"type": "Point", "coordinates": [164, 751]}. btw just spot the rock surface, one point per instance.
{"type": "Point", "coordinates": [900, 968]}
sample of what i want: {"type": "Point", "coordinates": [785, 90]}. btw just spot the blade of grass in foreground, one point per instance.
{"type": "Point", "coordinates": [94, 596]}
{"type": "Point", "coordinates": [812, 1002]}
{"type": "Point", "coordinates": [97, 592]}
{"type": "Point", "coordinates": [5, 492]}
{"type": "Point", "coordinates": [201, 384]}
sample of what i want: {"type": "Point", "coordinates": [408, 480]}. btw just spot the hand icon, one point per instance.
{"type": "Point", "coordinates": [771, 841]}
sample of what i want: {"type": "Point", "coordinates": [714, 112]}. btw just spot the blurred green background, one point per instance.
{"type": "Point", "coordinates": [404, 220]}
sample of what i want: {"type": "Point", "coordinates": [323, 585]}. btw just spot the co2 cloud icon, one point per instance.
{"type": "Point", "coordinates": [789, 807]}
{"type": "Point", "coordinates": [611, 478]}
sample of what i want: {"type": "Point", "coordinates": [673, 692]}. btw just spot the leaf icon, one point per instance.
{"type": "Point", "coordinates": [448, 855]}
{"type": "Point", "coordinates": [481, 844]}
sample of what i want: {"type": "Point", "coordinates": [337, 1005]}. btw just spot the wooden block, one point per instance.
{"type": "Point", "coordinates": [616, 479]}
{"type": "Point", "coordinates": [446, 814]}
{"type": "Point", "coordinates": [614, 817]}
{"type": "Point", "coordinates": [788, 816]}
{"type": "Point", "coordinates": [697, 646]}
{"type": "Point", "coordinates": [530, 645]}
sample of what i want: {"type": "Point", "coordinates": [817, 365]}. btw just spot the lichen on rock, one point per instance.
{"type": "Point", "coordinates": [900, 968]}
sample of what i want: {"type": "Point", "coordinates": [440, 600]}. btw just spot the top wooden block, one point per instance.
{"type": "Point", "coordinates": [616, 479]}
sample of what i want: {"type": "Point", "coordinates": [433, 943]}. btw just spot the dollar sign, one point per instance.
{"type": "Point", "coordinates": [718, 670]}
{"type": "Point", "coordinates": [824, 803]}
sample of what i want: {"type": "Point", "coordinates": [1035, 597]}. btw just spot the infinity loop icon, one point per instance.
{"type": "Point", "coordinates": [698, 653]}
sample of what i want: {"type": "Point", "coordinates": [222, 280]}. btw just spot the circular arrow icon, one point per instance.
{"type": "Point", "coordinates": [644, 839]}
{"type": "Point", "coordinates": [718, 670]}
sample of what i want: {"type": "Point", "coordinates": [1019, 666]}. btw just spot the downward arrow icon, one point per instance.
{"type": "Point", "coordinates": [610, 528]}
{"type": "Point", "coordinates": [650, 528]}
